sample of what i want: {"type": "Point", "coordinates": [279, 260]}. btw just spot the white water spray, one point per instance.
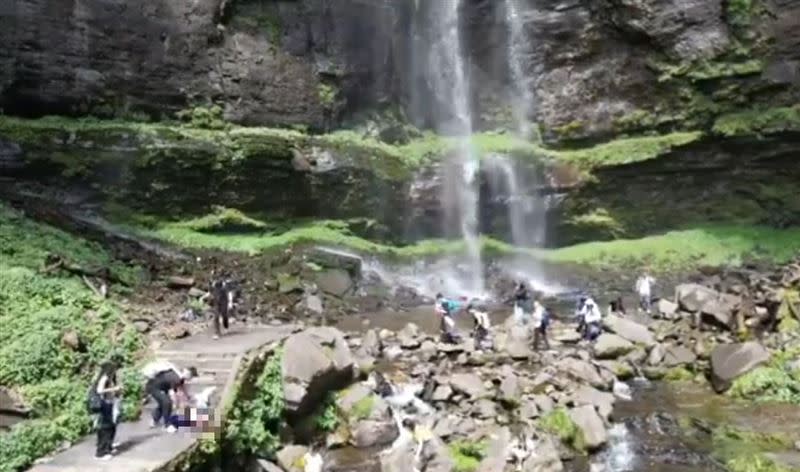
{"type": "Point", "coordinates": [450, 86]}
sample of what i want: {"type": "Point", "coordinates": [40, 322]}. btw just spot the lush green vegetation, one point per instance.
{"type": "Point", "coordinates": [739, 12]}
{"type": "Point", "coordinates": [327, 417]}
{"type": "Point", "coordinates": [254, 424]}
{"type": "Point", "coordinates": [37, 310]}
{"type": "Point", "coordinates": [759, 121]}
{"type": "Point", "coordinates": [711, 245]}
{"type": "Point", "coordinates": [467, 455]}
{"type": "Point", "coordinates": [559, 423]}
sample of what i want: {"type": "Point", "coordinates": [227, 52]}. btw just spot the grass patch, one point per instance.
{"type": "Point", "coordinates": [760, 121]}
{"type": "Point", "coordinates": [679, 374]}
{"type": "Point", "coordinates": [559, 423]}
{"type": "Point", "coordinates": [467, 455]}
{"type": "Point", "coordinates": [36, 311]}
{"type": "Point", "coordinates": [743, 451]}
{"type": "Point", "coordinates": [626, 151]}
{"type": "Point", "coordinates": [772, 382]}
{"type": "Point", "coordinates": [711, 245]}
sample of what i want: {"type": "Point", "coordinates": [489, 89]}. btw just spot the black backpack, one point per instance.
{"type": "Point", "coordinates": [93, 401]}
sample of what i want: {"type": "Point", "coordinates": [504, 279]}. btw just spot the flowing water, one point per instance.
{"type": "Point", "coordinates": [519, 47]}
{"type": "Point", "coordinates": [449, 83]}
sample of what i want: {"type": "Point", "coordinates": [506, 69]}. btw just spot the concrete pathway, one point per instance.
{"type": "Point", "coordinates": [146, 450]}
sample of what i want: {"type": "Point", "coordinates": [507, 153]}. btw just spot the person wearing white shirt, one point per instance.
{"type": "Point", "coordinates": [592, 318]}
{"type": "Point", "coordinates": [539, 325]}
{"type": "Point", "coordinates": [644, 287]}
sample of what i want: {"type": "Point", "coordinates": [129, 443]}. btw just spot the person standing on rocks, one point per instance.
{"type": "Point", "coordinates": [592, 319]}
{"type": "Point", "coordinates": [481, 327]}
{"type": "Point", "coordinates": [644, 287]}
{"type": "Point", "coordinates": [522, 299]}
{"type": "Point", "coordinates": [446, 309]}
{"type": "Point", "coordinates": [540, 322]}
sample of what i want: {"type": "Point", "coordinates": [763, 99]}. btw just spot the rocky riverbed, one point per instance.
{"type": "Point", "coordinates": [409, 402]}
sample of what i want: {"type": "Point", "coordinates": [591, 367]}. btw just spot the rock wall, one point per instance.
{"type": "Point", "coordinates": [597, 68]}
{"type": "Point", "coordinates": [278, 62]}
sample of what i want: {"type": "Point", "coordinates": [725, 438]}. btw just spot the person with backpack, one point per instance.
{"type": "Point", "coordinates": [103, 401]}
{"type": "Point", "coordinates": [522, 303]}
{"type": "Point", "coordinates": [481, 327]}
{"type": "Point", "coordinates": [163, 380]}
{"type": "Point", "coordinates": [446, 310]}
{"type": "Point", "coordinates": [540, 321]}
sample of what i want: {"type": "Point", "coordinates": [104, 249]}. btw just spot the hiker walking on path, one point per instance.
{"type": "Point", "coordinates": [223, 294]}
{"type": "Point", "coordinates": [165, 379]}
{"type": "Point", "coordinates": [103, 400]}
{"type": "Point", "coordinates": [644, 287]}
{"type": "Point", "coordinates": [446, 310]}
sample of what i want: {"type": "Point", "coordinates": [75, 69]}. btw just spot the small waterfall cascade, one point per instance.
{"type": "Point", "coordinates": [620, 455]}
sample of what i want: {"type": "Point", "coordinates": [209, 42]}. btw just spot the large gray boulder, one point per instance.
{"type": "Point", "coordinates": [336, 282]}
{"type": "Point", "coordinates": [315, 361]}
{"type": "Point", "coordinates": [468, 384]}
{"type": "Point", "coordinates": [611, 346]}
{"type": "Point", "coordinates": [717, 308]}
{"type": "Point", "coordinates": [497, 451]}
{"type": "Point", "coordinates": [678, 355]}
{"type": "Point", "coordinates": [586, 395]}
{"type": "Point", "coordinates": [582, 371]}
{"type": "Point", "coordinates": [369, 417]}
{"type": "Point", "coordinates": [729, 361]}
{"type": "Point", "coordinates": [630, 330]}
{"type": "Point", "coordinates": [335, 259]}
{"type": "Point", "coordinates": [591, 425]}
{"type": "Point", "coordinates": [546, 457]}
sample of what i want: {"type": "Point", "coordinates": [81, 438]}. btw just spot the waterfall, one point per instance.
{"type": "Point", "coordinates": [448, 81]}
{"type": "Point", "coordinates": [521, 99]}
{"type": "Point", "coordinates": [619, 455]}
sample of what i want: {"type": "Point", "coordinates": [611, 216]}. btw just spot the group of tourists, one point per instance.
{"type": "Point", "coordinates": [165, 383]}
{"type": "Point", "coordinates": [528, 310]}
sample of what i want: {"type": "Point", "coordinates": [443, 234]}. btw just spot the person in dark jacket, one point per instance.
{"type": "Point", "coordinates": [223, 294]}
{"type": "Point", "coordinates": [161, 387]}
{"type": "Point", "coordinates": [107, 389]}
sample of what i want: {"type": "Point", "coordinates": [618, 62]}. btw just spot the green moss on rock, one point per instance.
{"type": "Point", "coordinates": [627, 150]}
{"type": "Point", "coordinates": [559, 423]}
{"type": "Point", "coordinates": [759, 121]}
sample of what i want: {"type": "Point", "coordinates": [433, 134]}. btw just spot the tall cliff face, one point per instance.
{"type": "Point", "coordinates": [597, 68]}
{"type": "Point", "coordinates": [277, 62]}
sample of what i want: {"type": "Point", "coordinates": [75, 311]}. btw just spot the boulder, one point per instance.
{"type": "Point", "coordinates": [509, 389]}
{"type": "Point", "coordinates": [313, 304]}
{"type": "Point", "coordinates": [409, 336]}
{"type": "Point", "coordinates": [371, 423]}
{"type": "Point", "coordinates": [264, 465]}
{"type": "Point", "coordinates": [666, 307]}
{"type": "Point", "coordinates": [11, 404]}
{"type": "Point", "coordinates": [371, 344]}
{"type": "Point", "coordinates": [678, 355]}
{"type": "Point", "coordinates": [436, 457]}
{"type": "Point", "coordinates": [717, 308]}
{"type": "Point", "coordinates": [72, 340]}
{"type": "Point", "coordinates": [442, 393]}
{"type": "Point", "coordinates": [630, 330]}
{"type": "Point", "coordinates": [528, 409]}
{"type": "Point", "coordinates": [581, 371]}
{"type": "Point", "coordinates": [497, 451]}
{"type": "Point", "coordinates": [290, 458]}
{"type": "Point", "coordinates": [611, 346]}
{"type": "Point", "coordinates": [468, 384]}
{"type": "Point", "coordinates": [591, 425]}
{"type": "Point", "coordinates": [336, 282]}
{"type": "Point", "coordinates": [401, 457]}
{"type": "Point", "coordinates": [586, 395]}
{"type": "Point", "coordinates": [729, 361]}
{"type": "Point", "coordinates": [289, 283]}
{"type": "Point", "coordinates": [656, 355]}
{"type": "Point", "coordinates": [315, 361]}
{"type": "Point", "coordinates": [485, 409]}
{"type": "Point", "coordinates": [335, 259]}
{"type": "Point", "coordinates": [546, 458]}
